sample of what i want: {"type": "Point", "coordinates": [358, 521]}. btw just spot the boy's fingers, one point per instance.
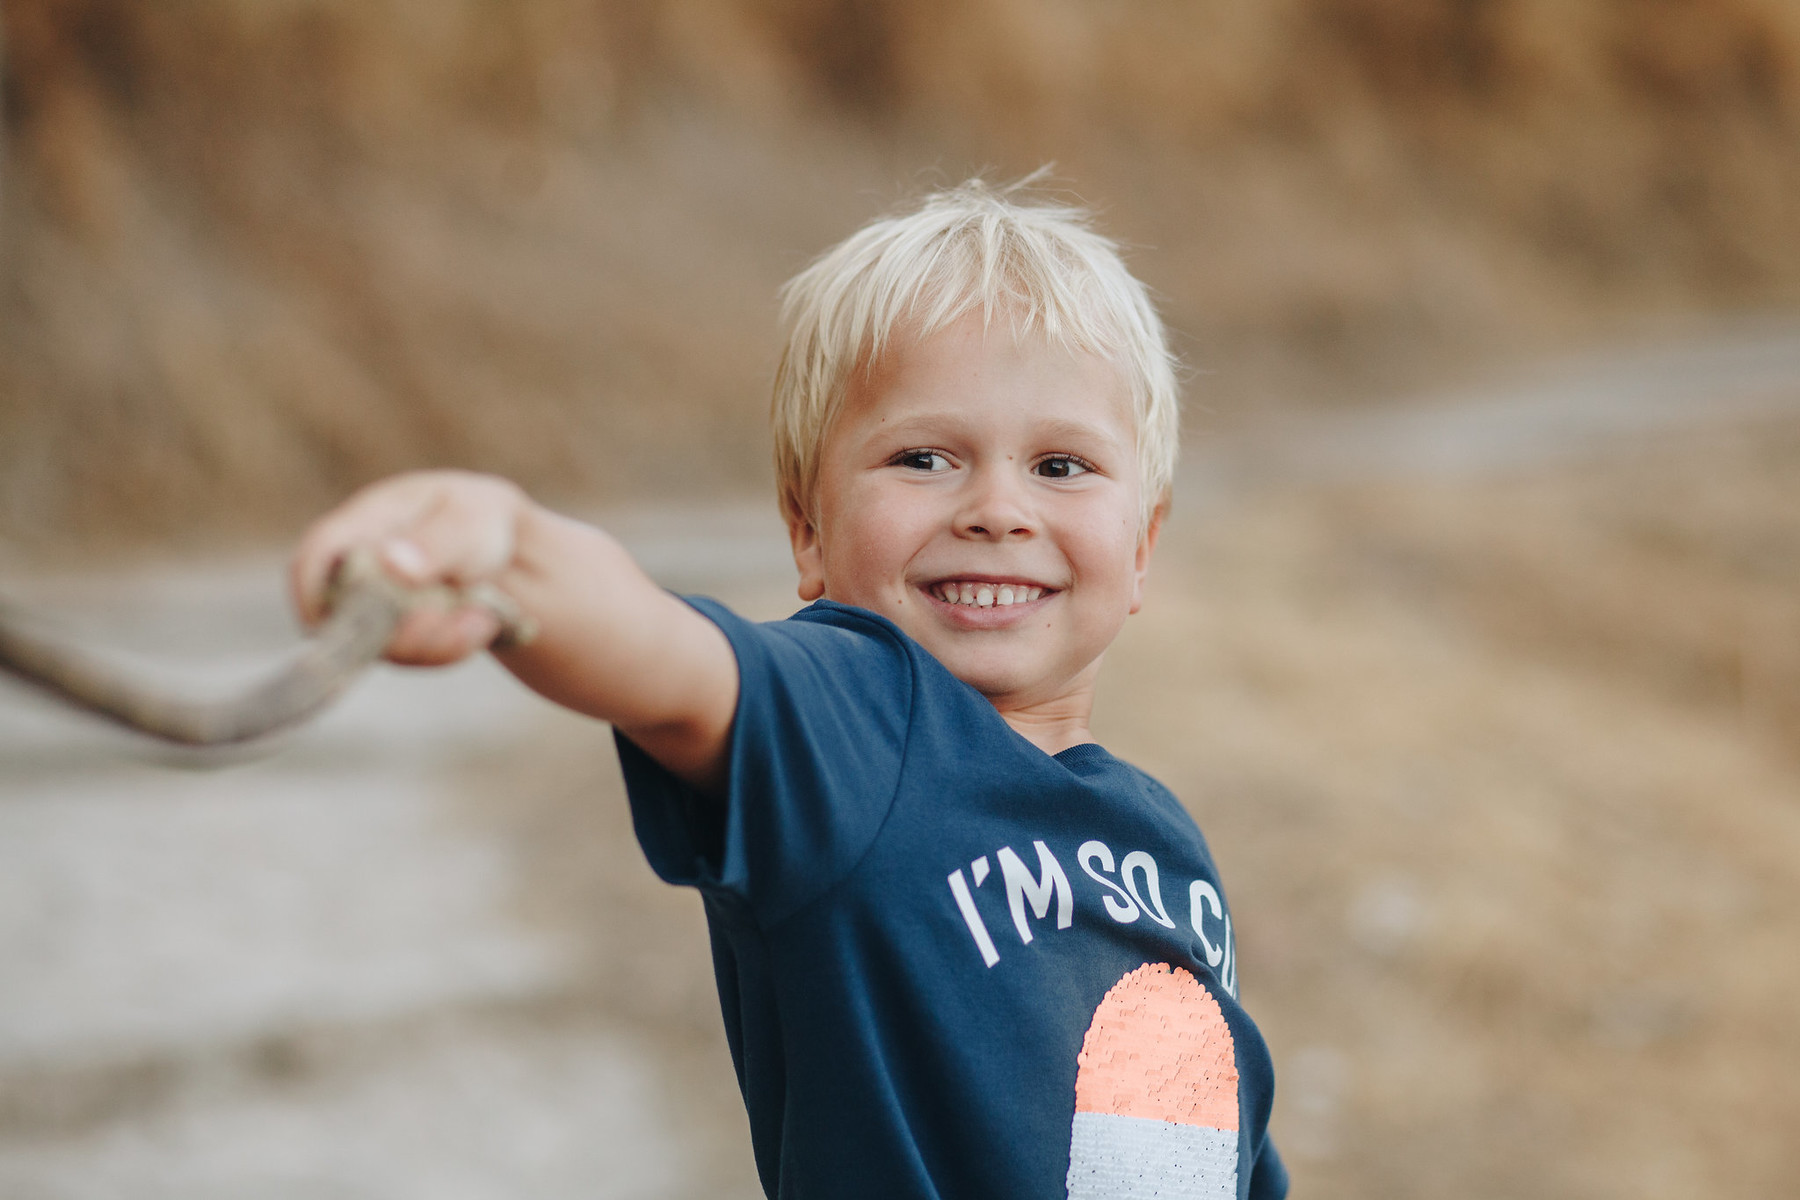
{"type": "Point", "coordinates": [464, 536]}
{"type": "Point", "coordinates": [404, 560]}
{"type": "Point", "coordinates": [369, 517]}
{"type": "Point", "coordinates": [426, 529]}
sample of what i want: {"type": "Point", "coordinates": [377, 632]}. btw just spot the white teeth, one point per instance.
{"type": "Point", "coordinates": [987, 595]}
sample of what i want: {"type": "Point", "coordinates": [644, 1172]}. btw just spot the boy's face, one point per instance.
{"type": "Point", "coordinates": [969, 469]}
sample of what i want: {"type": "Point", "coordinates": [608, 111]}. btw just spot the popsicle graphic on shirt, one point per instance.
{"type": "Point", "coordinates": [1156, 1094]}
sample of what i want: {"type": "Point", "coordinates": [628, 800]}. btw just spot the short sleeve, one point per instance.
{"type": "Point", "coordinates": [817, 743]}
{"type": "Point", "coordinates": [1269, 1177]}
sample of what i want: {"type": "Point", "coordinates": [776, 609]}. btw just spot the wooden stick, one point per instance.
{"type": "Point", "coordinates": [366, 606]}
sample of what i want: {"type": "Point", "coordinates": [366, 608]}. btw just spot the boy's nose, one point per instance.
{"type": "Point", "coordinates": [995, 510]}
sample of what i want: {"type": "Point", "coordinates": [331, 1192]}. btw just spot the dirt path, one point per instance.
{"type": "Point", "coordinates": [1559, 411]}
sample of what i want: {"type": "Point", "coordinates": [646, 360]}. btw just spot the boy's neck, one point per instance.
{"type": "Point", "coordinates": [1051, 727]}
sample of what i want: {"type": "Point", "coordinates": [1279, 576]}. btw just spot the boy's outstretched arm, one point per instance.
{"type": "Point", "coordinates": [610, 643]}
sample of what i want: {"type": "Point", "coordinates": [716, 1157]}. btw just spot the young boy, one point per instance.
{"type": "Point", "coordinates": [961, 950]}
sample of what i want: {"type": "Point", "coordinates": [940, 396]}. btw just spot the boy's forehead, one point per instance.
{"type": "Point", "coordinates": [971, 363]}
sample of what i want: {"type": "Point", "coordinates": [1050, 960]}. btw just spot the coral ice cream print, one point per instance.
{"type": "Point", "coordinates": [1156, 1094]}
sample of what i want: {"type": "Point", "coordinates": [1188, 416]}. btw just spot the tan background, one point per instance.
{"type": "Point", "coordinates": [1475, 643]}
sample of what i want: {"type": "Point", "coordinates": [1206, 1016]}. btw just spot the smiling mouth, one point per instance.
{"type": "Point", "coordinates": [986, 594]}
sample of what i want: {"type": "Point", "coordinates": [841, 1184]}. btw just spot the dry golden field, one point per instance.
{"type": "Point", "coordinates": [253, 254]}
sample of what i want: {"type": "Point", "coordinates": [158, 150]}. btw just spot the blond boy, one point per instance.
{"type": "Point", "coordinates": [961, 950]}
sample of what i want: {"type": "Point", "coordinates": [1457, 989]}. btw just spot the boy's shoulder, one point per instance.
{"type": "Point", "coordinates": [865, 654]}
{"type": "Point", "coordinates": [847, 682]}
{"type": "Point", "coordinates": [849, 648]}
{"type": "Point", "coordinates": [820, 614]}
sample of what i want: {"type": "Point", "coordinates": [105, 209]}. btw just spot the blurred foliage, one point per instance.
{"type": "Point", "coordinates": [257, 251]}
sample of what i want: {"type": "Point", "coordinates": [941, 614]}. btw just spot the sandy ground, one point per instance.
{"type": "Point", "coordinates": [1499, 753]}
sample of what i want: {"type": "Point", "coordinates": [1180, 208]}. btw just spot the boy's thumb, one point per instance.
{"type": "Point", "coordinates": [403, 559]}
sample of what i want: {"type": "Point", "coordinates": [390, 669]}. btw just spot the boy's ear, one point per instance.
{"type": "Point", "coordinates": [807, 558]}
{"type": "Point", "coordinates": [1146, 544]}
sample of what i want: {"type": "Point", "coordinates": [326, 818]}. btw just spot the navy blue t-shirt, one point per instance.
{"type": "Point", "coordinates": [950, 964]}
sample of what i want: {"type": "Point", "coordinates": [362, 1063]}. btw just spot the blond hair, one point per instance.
{"type": "Point", "coordinates": [968, 247]}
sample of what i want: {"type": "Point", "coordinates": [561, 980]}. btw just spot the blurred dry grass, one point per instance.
{"type": "Point", "coordinates": [256, 253]}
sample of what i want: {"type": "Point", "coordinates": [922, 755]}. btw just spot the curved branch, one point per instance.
{"type": "Point", "coordinates": [366, 608]}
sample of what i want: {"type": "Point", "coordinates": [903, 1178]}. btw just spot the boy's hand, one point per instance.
{"type": "Point", "coordinates": [609, 642]}
{"type": "Point", "coordinates": [430, 527]}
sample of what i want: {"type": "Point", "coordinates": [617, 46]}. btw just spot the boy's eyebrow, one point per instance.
{"type": "Point", "coordinates": [1051, 429]}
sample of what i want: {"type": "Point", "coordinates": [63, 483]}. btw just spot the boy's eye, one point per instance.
{"type": "Point", "coordinates": [1061, 466]}
{"type": "Point", "coordinates": [922, 460]}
